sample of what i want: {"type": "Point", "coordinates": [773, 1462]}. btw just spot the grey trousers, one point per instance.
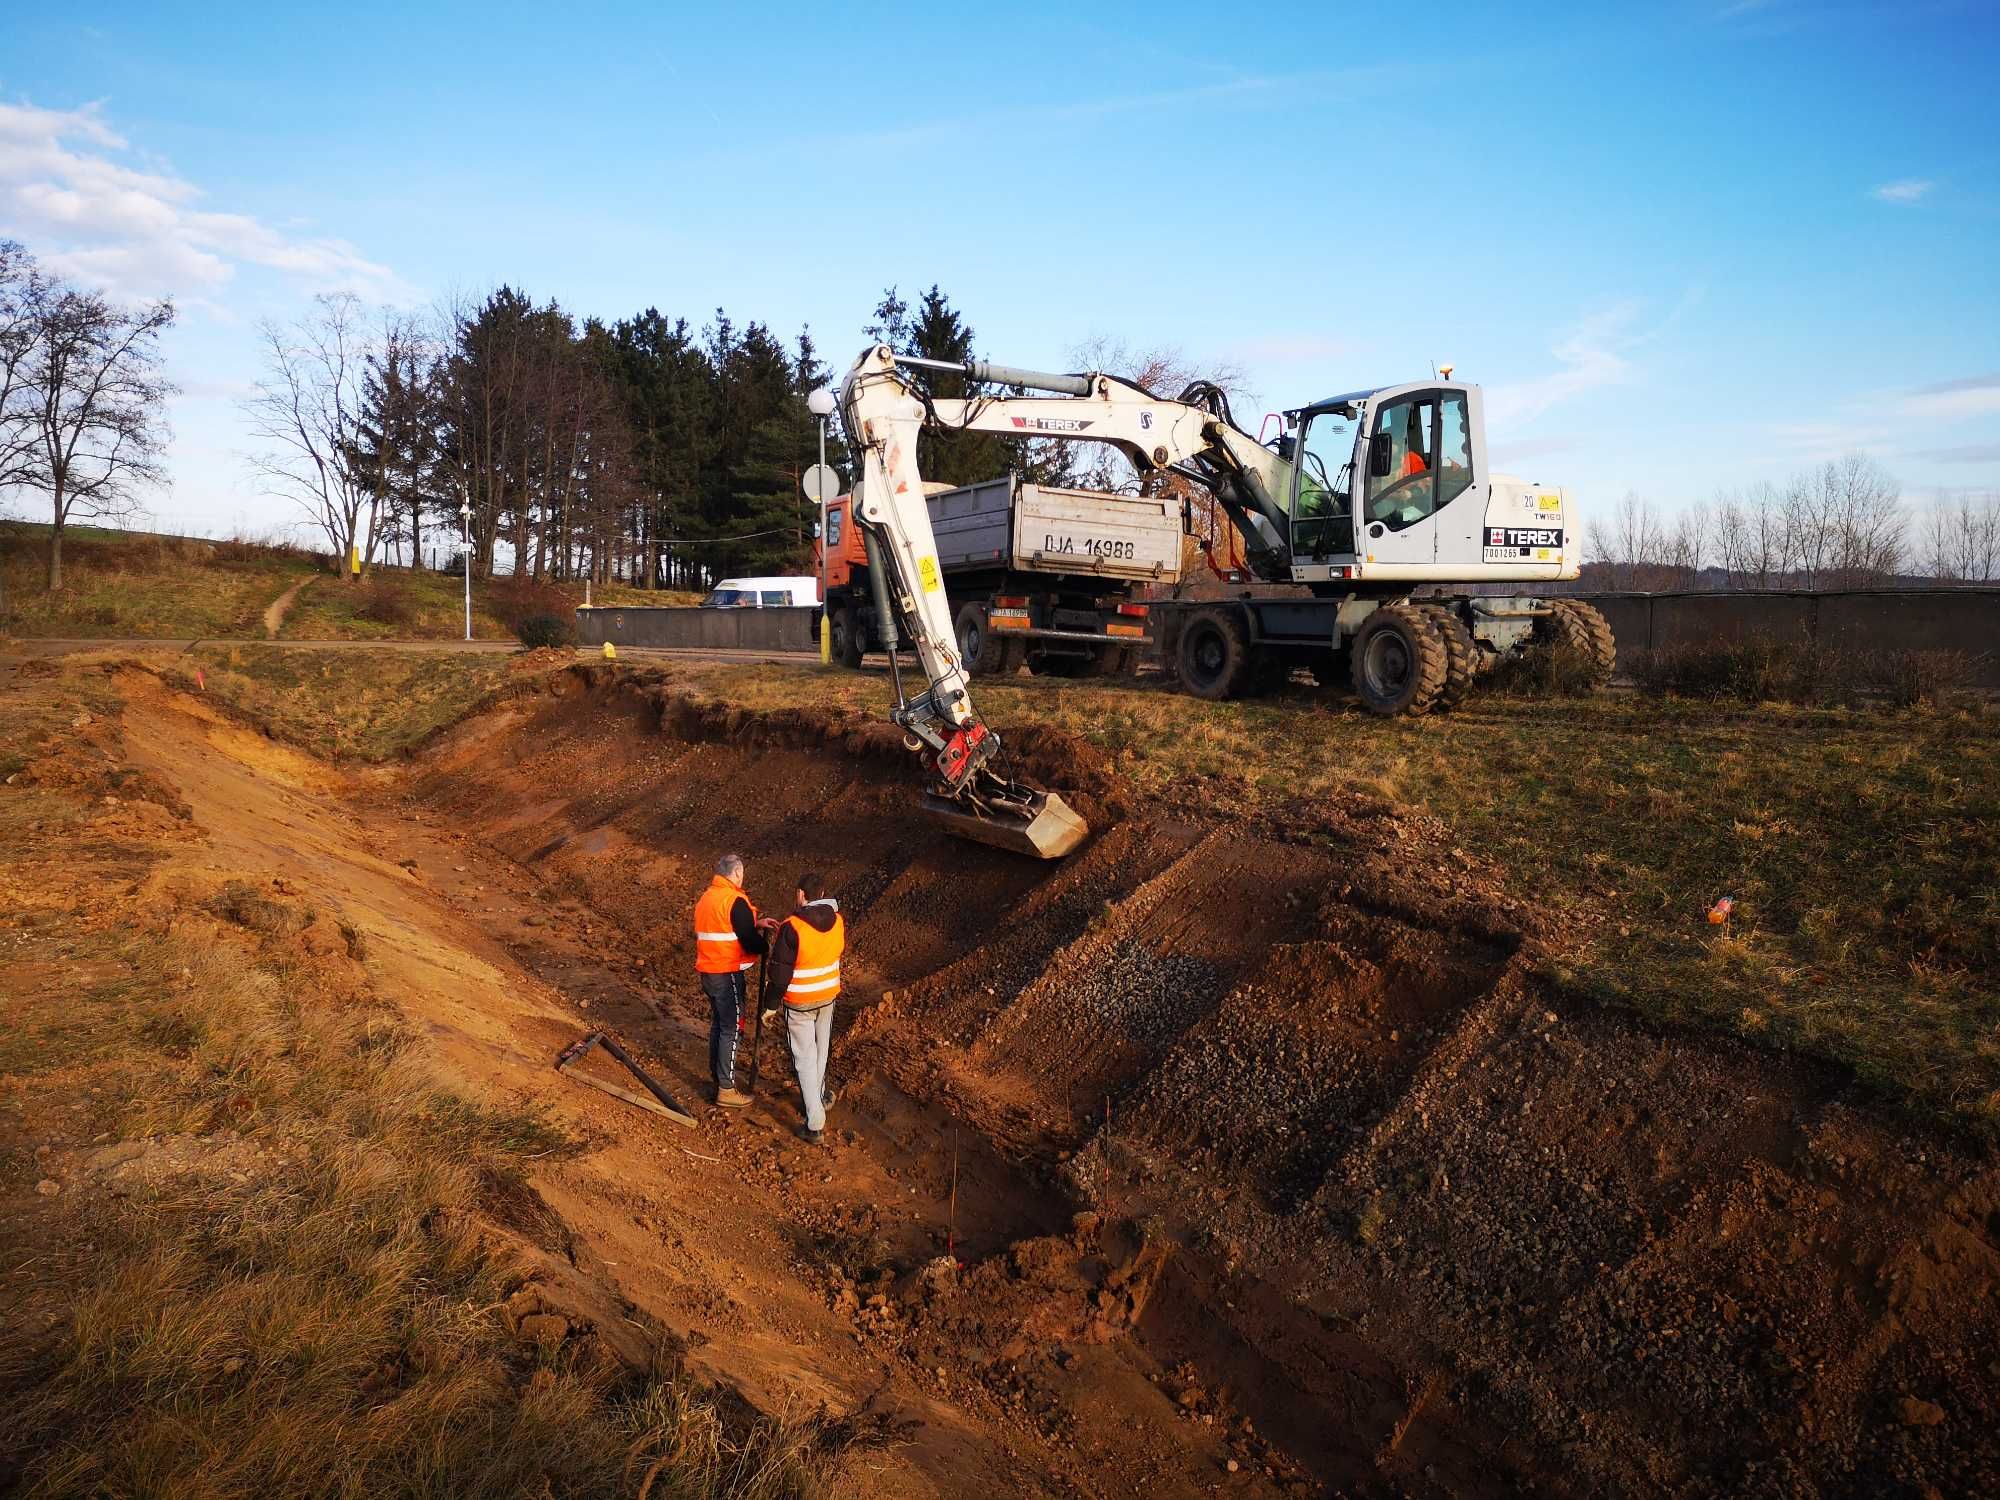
{"type": "Point", "coordinates": [811, 1035]}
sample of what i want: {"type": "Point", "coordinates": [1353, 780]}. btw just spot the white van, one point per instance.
{"type": "Point", "coordinates": [764, 593]}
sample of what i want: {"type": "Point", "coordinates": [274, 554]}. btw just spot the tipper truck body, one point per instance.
{"type": "Point", "coordinates": [1035, 575]}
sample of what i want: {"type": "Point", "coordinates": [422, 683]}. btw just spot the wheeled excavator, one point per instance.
{"type": "Point", "coordinates": [1359, 497]}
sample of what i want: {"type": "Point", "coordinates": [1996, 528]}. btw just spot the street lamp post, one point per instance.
{"type": "Point", "coordinates": [820, 402]}
{"type": "Point", "coordinates": [465, 555]}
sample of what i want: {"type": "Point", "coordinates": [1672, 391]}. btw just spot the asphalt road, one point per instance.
{"type": "Point", "coordinates": [27, 649]}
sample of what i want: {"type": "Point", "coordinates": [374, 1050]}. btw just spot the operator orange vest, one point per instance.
{"type": "Point", "coordinates": [816, 975]}
{"type": "Point", "coordinates": [716, 950]}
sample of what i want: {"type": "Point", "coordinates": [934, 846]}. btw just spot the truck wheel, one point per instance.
{"type": "Point", "coordinates": [1398, 661]}
{"type": "Point", "coordinates": [1581, 630]}
{"type": "Point", "coordinates": [1458, 654]}
{"type": "Point", "coordinates": [846, 643]}
{"type": "Point", "coordinates": [1214, 657]}
{"type": "Point", "coordinates": [979, 647]}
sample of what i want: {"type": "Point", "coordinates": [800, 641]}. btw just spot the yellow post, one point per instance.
{"type": "Point", "coordinates": [825, 640]}
{"type": "Point", "coordinates": [354, 560]}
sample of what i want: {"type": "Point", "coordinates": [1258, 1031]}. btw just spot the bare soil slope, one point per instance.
{"type": "Point", "coordinates": [1270, 1148]}
{"type": "Point", "coordinates": [1235, 1153]}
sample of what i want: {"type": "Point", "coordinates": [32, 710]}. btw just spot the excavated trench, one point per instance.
{"type": "Point", "coordinates": [1272, 1114]}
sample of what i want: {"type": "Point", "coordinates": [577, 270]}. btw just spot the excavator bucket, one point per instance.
{"type": "Point", "coordinates": [1040, 824]}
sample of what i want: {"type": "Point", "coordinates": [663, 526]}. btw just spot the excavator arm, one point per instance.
{"type": "Point", "coordinates": [885, 411]}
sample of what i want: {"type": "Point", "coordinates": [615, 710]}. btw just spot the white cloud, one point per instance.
{"type": "Point", "coordinates": [143, 232]}
{"type": "Point", "coordinates": [1592, 355]}
{"type": "Point", "coordinates": [1905, 190]}
{"type": "Point", "coordinates": [1955, 400]}
{"type": "Point", "coordinates": [1589, 358]}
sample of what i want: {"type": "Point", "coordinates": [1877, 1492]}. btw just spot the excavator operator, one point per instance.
{"type": "Point", "coordinates": [1414, 461]}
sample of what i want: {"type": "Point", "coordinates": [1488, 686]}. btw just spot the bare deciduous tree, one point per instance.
{"type": "Point", "coordinates": [1961, 540]}
{"type": "Point", "coordinates": [23, 296]}
{"type": "Point", "coordinates": [308, 408]}
{"type": "Point", "coordinates": [95, 401]}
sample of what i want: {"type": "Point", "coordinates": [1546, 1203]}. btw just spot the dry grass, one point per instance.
{"type": "Point", "coordinates": [1862, 845]}
{"type": "Point", "coordinates": [134, 585]}
{"type": "Point", "coordinates": [300, 1295]}
{"type": "Point", "coordinates": [346, 704]}
{"type": "Point", "coordinates": [331, 1325]}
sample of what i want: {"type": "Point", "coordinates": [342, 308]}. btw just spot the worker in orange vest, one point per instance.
{"type": "Point", "coordinates": [804, 972]}
{"type": "Point", "coordinates": [729, 938]}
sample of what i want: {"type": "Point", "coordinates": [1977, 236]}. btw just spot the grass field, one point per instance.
{"type": "Point", "coordinates": [351, 704]}
{"type": "Point", "coordinates": [1862, 847]}
{"type": "Point", "coordinates": [134, 585]}
{"type": "Point", "coordinates": [131, 585]}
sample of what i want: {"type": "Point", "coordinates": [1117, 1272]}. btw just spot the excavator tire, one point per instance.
{"type": "Point", "coordinates": [1398, 661]}
{"type": "Point", "coordinates": [846, 638]}
{"type": "Point", "coordinates": [1459, 653]}
{"type": "Point", "coordinates": [980, 647]}
{"type": "Point", "coordinates": [1581, 630]}
{"type": "Point", "coordinates": [1214, 656]}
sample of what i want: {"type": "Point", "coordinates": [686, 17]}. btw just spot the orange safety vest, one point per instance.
{"type": "Point", "coordinates": [816, 975]}
{"type": "Point", "coordinates": [716, 950]}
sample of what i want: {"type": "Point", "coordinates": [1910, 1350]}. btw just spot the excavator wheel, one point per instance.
{"type": "Point", "coordinates": [980, 647]}
{"type": "Point", "coordinates": [1214, 656]}
{"type": "Point", "coordinates": [1459, 653]}
{"type": "Point", "coordinates": [1581, 630]}
{"type": "Point", "coordinates": [1398, 661]}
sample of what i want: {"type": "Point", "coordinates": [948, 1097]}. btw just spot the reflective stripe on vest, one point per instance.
{"type": "Point", "coordinates": [716, 950]}
{"type": "Point", "coordinates": [816, 979]}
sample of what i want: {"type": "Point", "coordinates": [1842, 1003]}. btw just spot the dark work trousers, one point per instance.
{"type": "Point", "coordinates": [725, 1014]}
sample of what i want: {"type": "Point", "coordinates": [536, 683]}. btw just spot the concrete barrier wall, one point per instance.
{"type": "Point", "coordinates": [1965, 619]}
{"type": "Point", "coordinates": [701, 629]}
{"type": "Point", "coordinates": [1876, 619]}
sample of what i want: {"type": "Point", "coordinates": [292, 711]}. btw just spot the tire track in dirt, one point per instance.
{"type": "Point", "coordinates": [278, 608]}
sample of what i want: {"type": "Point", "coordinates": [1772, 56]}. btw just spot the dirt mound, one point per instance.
{"type": "Point", "coordinates": [1387, 1200]}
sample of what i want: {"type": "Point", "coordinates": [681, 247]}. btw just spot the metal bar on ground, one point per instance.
{"type": "Point", "coordinates": [665, 1104]}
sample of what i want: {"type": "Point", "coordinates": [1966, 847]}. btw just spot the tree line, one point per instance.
{"type": "Point", "coordinates": [1840, 524]}
{"type": "Point", "coordinates": [643, 450]}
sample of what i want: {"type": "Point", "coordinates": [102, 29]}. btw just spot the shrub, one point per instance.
{"type": "Point", "coordinates": [544, 630]}
{"type": "Point", "coordinates": [1912, 678]}
{"type": "Point", "coordinates": [384, 603]}
{"type": "Point", "coordinates": [516, 600]}
{"type": "Point", "coordinates": [1758, 669]}
{"type": "Point", "coordinates": [1554, 672]}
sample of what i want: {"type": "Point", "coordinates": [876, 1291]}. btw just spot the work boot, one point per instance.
{"type": "Point", "coordinates": [731, 1098]}
{"type": "Point", "coordinates": [827, 1094]}
{"type": "Point", "coordinates": [810, 1136]}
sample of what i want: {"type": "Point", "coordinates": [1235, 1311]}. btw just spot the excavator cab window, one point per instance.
{"type": "Point", "coordinates": [1407, 492]}
{"type": "Point", "coordinates": [1322, 507]}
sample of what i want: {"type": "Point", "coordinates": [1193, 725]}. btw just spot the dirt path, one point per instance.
{"type": "Point", "coordinates": [275, 611]}
{"type": "Point", "coordinates": [1224, 1156]}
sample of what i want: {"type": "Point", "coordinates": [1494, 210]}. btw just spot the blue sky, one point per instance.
{"type": "Point", "coordinates": [1684, 246]}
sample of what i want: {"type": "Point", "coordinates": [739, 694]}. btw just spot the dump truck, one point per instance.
{"type": "Point", "coordinates": [1035, 575]}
